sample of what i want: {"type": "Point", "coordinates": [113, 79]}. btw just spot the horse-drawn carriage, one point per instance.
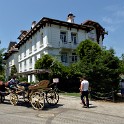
{"type": "Point", "coordinates": [36, 94]}
{"type": "Point", "coordinates": [4, 91]}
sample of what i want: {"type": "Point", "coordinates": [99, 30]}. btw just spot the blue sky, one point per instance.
{"type": "Point", "coordinates": [17, 15]}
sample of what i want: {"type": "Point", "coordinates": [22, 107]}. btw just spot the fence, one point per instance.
{"type": "Point", "coordinates": [111, 96]}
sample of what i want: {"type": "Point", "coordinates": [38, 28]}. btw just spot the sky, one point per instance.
{"type": "Point", "coordinates": [17, 15]}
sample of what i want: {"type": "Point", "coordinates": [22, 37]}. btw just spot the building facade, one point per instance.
{"type": "Point", "coordinates": [54, 37]}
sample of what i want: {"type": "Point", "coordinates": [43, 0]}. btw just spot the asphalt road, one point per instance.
{"type": "Point", "coordinates": [67, 111]}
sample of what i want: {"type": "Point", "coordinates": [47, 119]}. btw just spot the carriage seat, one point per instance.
{"type": "Point", "coordinates": [40, 85]}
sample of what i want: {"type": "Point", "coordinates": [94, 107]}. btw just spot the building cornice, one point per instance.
{"type": "Point", "coordinates": [87, 26]}
{"type": "Point", "coordinates": [42, 23]}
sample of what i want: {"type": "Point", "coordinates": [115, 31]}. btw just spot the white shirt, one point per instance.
{"type": "Point", "coordinates": [122, 84]}
{"type": "Point", "coordinates": [85, 84]}
{"type": "Point", "coordinates": [12, 81]}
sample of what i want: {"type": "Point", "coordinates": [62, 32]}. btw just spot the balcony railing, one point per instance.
{"type": "Point", "coordinates": [68, 45]}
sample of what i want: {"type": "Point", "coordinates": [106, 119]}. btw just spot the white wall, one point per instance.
{"type": "Point", "coordinates": [51, 45]}
{"type": "Point", "coordinates": [12, 60]}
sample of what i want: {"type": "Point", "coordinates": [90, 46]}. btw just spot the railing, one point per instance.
{"type": "Point", "coordinates": [110, 96]}
{"type": "Point", "coordinates": [69, 45]}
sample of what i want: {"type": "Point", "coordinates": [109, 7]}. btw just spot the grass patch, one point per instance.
{"type": "Point", "coordinates": [71, 94]}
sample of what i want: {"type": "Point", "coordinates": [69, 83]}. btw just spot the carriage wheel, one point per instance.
{"type": "Point", "coordinates": [13, 99]}
{"type": "Point", "coordinates": [37, 100]}
{"type": "Point", "coordinates": [52, 97]}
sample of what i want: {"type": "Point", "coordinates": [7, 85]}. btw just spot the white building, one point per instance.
{"type": "Point", "coordinates": [54, 37]}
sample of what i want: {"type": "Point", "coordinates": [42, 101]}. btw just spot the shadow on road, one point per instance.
{"type": "Point", "coordinates": [47, 106]}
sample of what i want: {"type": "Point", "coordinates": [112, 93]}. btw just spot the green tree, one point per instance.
{"type": "Point", "coordinates": [13, 70]}
{"type": "Point", "coordinates": [2, 64]}
{"type": "Point", "coordinates": [100, 65]}
{"type": "Point", "coordinates": [88, 50]}
{"type": "Point", "coordinates": [106, 72]}
{"type": "Point", "coordinates": [43, 63]}
{"type": "Point", "coordinates": [122, 66]}
{"type": "Point", "coordinates": [2, 61]}
{"type": "Point", "coordinates": [49, 62]}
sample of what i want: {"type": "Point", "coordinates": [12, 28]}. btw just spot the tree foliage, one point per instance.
{"type": "Point", "coordinates": [1, 61]}
{"type": "Point", "coordinates": [100, 65]}
{"type": "Point", "coordinates": [88, 50]}
{"type": "Point", "coordinates": [13, 70]}
{"type": "Point", "coordinates": [49, 62]}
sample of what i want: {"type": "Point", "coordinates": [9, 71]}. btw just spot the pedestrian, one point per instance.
{"type": "Point", "coordinates": [84, 91]}
{"type": "Point", "coordinates": [122, 87]}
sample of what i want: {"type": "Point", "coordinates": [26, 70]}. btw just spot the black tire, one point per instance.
{"type": "Point", "coordinates": [52, 97]}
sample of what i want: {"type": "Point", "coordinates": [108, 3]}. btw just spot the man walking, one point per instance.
{"type": "Point", "coordinates": [84, 91]}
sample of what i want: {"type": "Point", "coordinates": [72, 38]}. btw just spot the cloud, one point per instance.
{"type": "Point", "coordinates": [111, 28]}
{"type": "Point", "coordinates": [107, 20]}
{"type": "Point", "coordinates": [114, 17]}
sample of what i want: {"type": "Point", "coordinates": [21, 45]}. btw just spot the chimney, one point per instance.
{"type": "Point", "coordinates": [70, 18]}
{"type": "Point", "coordinates": [33, 24]}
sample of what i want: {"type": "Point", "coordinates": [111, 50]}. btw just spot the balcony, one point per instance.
{"type": "Point", "coordinates": [67, 45]}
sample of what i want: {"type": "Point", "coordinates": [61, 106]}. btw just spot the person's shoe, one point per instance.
{"type": "Point", "coordinates": [84, 106]}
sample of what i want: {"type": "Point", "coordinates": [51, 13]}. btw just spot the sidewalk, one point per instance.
{"type": "Point", "coordinates": [101, 107]}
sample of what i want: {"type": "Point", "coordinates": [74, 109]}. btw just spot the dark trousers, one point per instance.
{"type": "Point", "coordinates": [85, 94]}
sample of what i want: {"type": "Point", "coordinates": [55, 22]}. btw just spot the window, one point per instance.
{"type": "Point", "coordinates": [64, 57]}
{"type": "Point", "coordinates": [20, 53]}
{"type": "Point", "coordinates": [63, 37]}
{"type": "Point", "coordinates": [74, 38]}
{"type": "Point", "coordinates": [35, 58]}
{"type": "Point", "coordinates": [35, 44]}
{"type": "Point", "coordinates": [30, 78]}
{"type": "Point", "coordinates": [41, 54]}
{"type": "Point", "coordinates": [41, 40]}
{"type": "Point", "coordinates": [10, 63]}
{"type": "Point", "coordinates": [30, 47]}
{"type": "Point", "coordinates": [25, 51]}
{"type": "Point", "coordinates": [73, 58]}
{"type": "Point", "coordinates": [20, 56]}
{"type": "Point", "coordinates": [20, 67]}
{"type": "Point", "coordinates": [30, 63]}
{"type": "Point", "coordinates": [25, 66]}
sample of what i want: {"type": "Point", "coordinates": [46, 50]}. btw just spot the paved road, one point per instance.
{"type": "Point", "coordinates": [68, 111]}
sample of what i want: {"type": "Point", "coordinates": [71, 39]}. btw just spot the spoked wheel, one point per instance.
{"type": "Point", "coordinates": [37, 100]}
{"type": "Point", "coordinates": [52, 97]}
{"type": "Point", "coordinates": [13, 99]}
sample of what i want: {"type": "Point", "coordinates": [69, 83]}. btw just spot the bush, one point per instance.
{"type": "Point", "coordinates": [2, 78]}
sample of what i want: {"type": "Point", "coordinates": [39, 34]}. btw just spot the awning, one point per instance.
{"type": "Point", "coordinates": [35, 71]}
